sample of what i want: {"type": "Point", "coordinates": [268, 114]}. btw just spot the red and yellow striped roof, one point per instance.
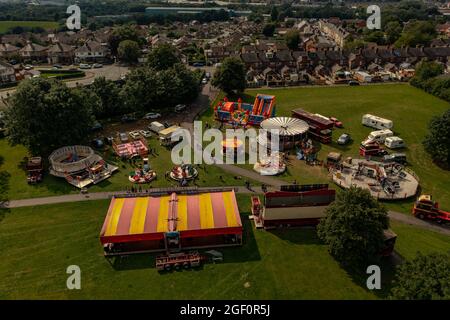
{"type": "Point", "coordinates": [140, 218]}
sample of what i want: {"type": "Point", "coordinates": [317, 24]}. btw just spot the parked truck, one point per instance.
{"type": "Point", "coordinates": [426, 208]}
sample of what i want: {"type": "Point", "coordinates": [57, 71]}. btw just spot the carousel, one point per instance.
{"type": "Point", "coordinates": [185, 172]}
{"type": "Point", "coordinates": [291, 132]}
{"type": "Point", "coordinates": [232, 147]}
{"type": "Point", "coordinates": [271, 165]}
{"type": "Point", "coordinates": [143, 175]}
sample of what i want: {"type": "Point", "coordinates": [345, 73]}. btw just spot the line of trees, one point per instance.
{"type": "Point", "coordinates": [44, 114]}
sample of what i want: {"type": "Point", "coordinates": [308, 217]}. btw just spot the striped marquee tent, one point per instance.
{"type": "Point", "coordinates": [148, 218]}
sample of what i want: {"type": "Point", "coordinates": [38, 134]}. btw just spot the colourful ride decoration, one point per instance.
{"type": "Point", "coordinates": [243, 114]}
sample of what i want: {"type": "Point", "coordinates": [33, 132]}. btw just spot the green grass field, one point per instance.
{"type": "Point", "coordinates": [6, 25]}
{"type": "Point", "coordinates": [12, 162]}
{"type": "Point", "coordinates": [410, 109]}
{"type": "Point", "coordinates": [38, 243]}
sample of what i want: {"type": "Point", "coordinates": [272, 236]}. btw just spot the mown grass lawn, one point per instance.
{"type": "Point", "coordinates": [6, 25]}
{"type": "Point", "coordinates": [12, 162]}
{"type": "Point", "coordinates": [410, 109]}
{"type": "Point", "coordinates": [38, 243]}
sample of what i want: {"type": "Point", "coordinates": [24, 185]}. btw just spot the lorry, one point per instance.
{"type": "Point", "coordinates": [156, 126]}
{"type": "Point", "coordinates": [376, 122]}
{"type": "Point", "coordinates": [167, 136]}
{"type": "Point", "coordinates": [394, 142]}
{"type": "Point", "coordinates": [426, 208]}
{"type": "Point", "coordinates": [371, 148]}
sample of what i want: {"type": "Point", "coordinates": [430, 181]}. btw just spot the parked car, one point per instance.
{"type": "Point", "coordinates": [123, 137]}
{"type": "Point", "coordinates": [134, 134]}
{"type": "Point", "coordinates": [109, 140]}
{"type": "Point", "coordinates": [208, 75]}
{"type": "Point", "coordinates": [395, 157]}
{"type": "Point", "coordinates": [344, 139]}
{"type": "Point", "coordinates": [152, 115]}
{"type": "Point", "coordinates": [128, 118]}
{"type": "Point", "coordinates": [145, 133]}
{"type": "Point", "coordinates": [180, 108]}
{"type": "Point", "coordinates": [96, 126]}
{"type": "Point", "coordinates": [198, 64]}
{"type": "Point", "coordinates": [85, 66]}
{"type": "Point", "coordinates": [98, 143]}
{"type": "Point", "coordinates": [337, 123]}
{"type": "Point", "coordinates": [353, 83]}
{"type": "Point", "coordinates": [97, 65]}
{"type": "Point", "coordinates": [57, 66]}
{"type": "Point", "coordinates": [204, 81]}
{"type": "Point", "coordinates": [28, 67]}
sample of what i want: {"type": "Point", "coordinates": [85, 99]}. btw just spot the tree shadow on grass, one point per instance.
{"type": "Point", "coordinates": [4, 188]}
{"type": "Point", "coordinates": [299, 235]}
{"type": "Point", "coordinates": [247, 252]}
{"type": "Point", "coordinates": [388, 267]}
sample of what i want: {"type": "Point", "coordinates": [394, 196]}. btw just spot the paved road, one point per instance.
{"type": "Point", "coordinates": [110, 72]}
{"type": "Point", "coordinates": [407, 219]}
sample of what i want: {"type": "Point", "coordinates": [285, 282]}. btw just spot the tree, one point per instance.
{"type": "Point", "coordinates": [417, 33]}
{"type": "Point", "coordinates": [129, 51]}
{"type": "Point", "coordinates": [122, 33]}
{"type": "Point", "coordinates": [147, 89]}
{"type": "Point", "coordinates": [428, 69]}
{"type": "Point", "coordinates": [162, 57]}
{"type": "Point", "coordinates": [437, 141]}
{"type": "Point", "coordinates": [354, 227]}
{"type": "Point", "coordinates": [426, 277]}
{"type": "Point", "coordinates": [292, 39]}
{"type": "Point", "coordinates": [393, 29]}
{"type": "Point", "coordinates": [109, 94]}
{"type": "Point", "coordinates": [374, 36]}
{"type": "Point", "coordinates": [44, 115]}
{"type": "Point", "coordinates": [269, 29]}
{"type": "Point", "coordinates": [230, 76]}
{"type": "Point", "coordinates": [274, 14]}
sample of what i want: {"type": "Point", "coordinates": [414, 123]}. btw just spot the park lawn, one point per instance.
{"type": "Point", "coordinates": [410, 109]}
{"type": "Point", "coordinates": [6, 25]}
{"type": "Point", "coordinates": [12, 161]}
{"type": "Point", "coordinates": [38, 243]}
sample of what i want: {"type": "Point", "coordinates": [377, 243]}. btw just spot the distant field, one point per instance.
{"type": "Point", "coordinates": [6, 25]}
{"type": "Point", "coordinates": [38, 243]}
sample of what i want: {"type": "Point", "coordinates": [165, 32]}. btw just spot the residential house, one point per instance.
{"type": "Point", "coordinates": [60, 53]}
{"type": "Point", "coordinates": [92, 51]}
{"type": "Point", "coordinates": [33, 52]}
{"type": "Point", "coordinates": [337, 33]}
{"type": "Point", "coordinates": [7, 73]}
{"type": "Point", "coordinates": [8, 51]}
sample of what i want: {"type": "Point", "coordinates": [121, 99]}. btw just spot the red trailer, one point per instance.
{"type": "Point", "coordinates": [292, 206]}
{"type": "Point", "coordinates": [319, 127]}
{"type": "Point", "coordinates": [35, 169]}
{"type": "Point", "coordinates": [178, 260]}
{"type": "Point", "coordinates": [371, 148]}
{"type": "Point", "coordinates": [426, 208]}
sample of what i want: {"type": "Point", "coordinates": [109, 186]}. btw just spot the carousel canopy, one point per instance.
{"type": "Point", "coordinates": [287, 126]}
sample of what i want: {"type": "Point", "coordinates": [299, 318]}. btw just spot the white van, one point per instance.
{"type": "Point", "coordinates": [394, 142]}
{"type": "Point", "coordinates": [380, 135]}
{"type": "Point", "coordinates": [156, 127]}
{"type": "Point", "coordinates": [376, 122]}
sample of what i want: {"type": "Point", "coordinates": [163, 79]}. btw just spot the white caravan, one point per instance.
{"type": "Point", "coordinates": [376, 122]}
{"type": "Point", "coordinates": [380, 135]}
{"type": "Point", "coordinates": [394, 142]}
